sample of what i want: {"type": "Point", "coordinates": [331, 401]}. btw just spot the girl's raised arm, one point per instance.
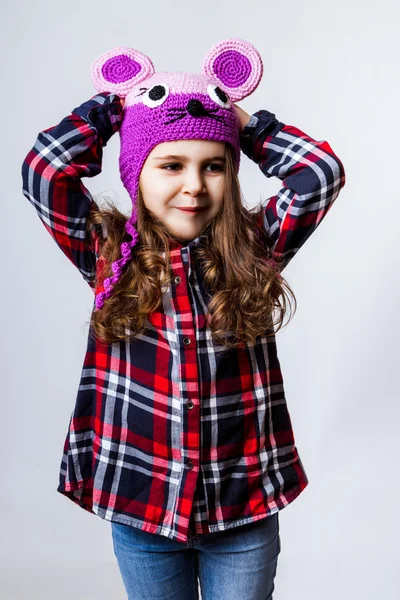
{"type": "Point", "coordinates": [51, 174]}
{"type": "Point", "coordinates": [312, 178]}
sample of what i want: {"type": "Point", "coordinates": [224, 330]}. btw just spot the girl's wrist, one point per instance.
{"type": "Point", "coordinates": [242, 116]}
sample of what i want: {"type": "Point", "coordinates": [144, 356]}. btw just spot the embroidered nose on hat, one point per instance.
{"type": "Point", "coordinates": [168, 106]}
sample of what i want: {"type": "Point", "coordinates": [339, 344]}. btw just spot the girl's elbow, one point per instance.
{"type": "Point", "coordinates": [25, 168]}
{"type": "Point", "coordinates": [335, 164]}
{"type": "Point", "coordinates": [339, 173]}
{"type": "Point", "coordinates": [27, 163]}
{"type": "Point", "coordinates": [342, 174]}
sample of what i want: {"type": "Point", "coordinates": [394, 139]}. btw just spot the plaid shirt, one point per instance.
{"type": "Point", "coordinates": [170, 432]}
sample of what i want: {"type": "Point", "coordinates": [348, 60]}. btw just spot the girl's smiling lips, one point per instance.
{"type": "Point", "coordinates": [192, 209]}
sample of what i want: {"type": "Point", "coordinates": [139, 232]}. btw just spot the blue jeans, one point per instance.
{"type": "Point", "coordinates": [234, 564]}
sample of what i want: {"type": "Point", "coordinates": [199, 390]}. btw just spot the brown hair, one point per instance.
{"type": "Point", "coordinates": [244, 284]}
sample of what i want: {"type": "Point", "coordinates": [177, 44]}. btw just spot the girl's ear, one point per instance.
{"type": "Point", "coordinates": [236, 65]}
{"type": "Point", "coordinates": [120, 69]}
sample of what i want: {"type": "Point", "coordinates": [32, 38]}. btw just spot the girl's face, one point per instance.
{"type": "Point", "coordinates": [184, 173]}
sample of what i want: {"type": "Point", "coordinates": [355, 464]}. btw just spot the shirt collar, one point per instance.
{"type": "Point", "coordinates": [176, 244]}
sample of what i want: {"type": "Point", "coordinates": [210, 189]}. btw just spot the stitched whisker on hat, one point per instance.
{"type": "Point", "coordinates": [172, 113]}
{"type": "Point", "coordinates": [173, 120]}
{"type": "Point", "coordinates": [217, 118]}
{"type": "Point", "coordinates": [207, 114]}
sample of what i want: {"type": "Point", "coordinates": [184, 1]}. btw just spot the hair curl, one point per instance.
{"type": "Point", "coordinates": [239, 274]}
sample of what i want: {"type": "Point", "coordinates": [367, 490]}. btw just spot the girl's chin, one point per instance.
{"type": "Point", "coordinates": [185, 238]}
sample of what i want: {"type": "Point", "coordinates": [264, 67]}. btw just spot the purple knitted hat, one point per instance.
{"type": "Point", "coordinates": [167, 106]}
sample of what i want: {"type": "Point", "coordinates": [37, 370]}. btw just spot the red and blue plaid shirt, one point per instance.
{"type": "Point", "coordinates": [170, 432]}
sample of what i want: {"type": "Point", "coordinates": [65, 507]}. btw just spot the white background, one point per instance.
{"type": "Point", "coordinates": [331, 69]}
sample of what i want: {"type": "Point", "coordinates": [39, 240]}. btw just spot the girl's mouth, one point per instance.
{"type": "Point", "coordinates": [193, 210]}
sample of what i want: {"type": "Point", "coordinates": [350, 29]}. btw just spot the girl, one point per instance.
{"type": "Point", "coordinates": [180, 435]}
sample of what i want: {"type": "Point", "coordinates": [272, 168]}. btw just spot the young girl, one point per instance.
{"type": "Point", "coordinates": [180, 435]}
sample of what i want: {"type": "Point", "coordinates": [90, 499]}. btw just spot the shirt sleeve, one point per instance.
{"type": "Point", "coordinates": [52, 172]}
{"type": "Point", "coordinates": [312, 177]}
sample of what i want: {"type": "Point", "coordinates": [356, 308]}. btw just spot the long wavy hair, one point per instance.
{"type": "Point", "coordinates": [244, 284]}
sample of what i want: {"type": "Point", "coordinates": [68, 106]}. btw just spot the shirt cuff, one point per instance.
{"type": "Point", "coordinates": [261, 124]}
{"type": "Point", "coordinates": [104, 112]}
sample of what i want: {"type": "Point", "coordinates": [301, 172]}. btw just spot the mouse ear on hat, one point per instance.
{"type": "Point", "coordinates": [236, 65]}
{"type": "Point", "coordinates": [120, 69]}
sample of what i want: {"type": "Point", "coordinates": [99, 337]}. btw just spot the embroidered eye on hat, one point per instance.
{"type": "Point", "coordinates": [167, 106]}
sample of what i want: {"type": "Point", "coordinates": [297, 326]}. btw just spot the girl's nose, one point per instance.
{"type": "Point", "coordinates": [194, 183]}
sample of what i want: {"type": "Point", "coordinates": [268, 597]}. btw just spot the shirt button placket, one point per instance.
{"type": "Point", "coordinates": [191, 433]}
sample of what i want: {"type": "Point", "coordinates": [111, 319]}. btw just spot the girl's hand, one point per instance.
{"type": "Point", "coordinates": [242, 115]}
{"type": "Point", "coordinates": [122, 100]}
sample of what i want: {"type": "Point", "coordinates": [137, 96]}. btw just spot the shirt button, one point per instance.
{"type": "Point", "coordinates": [189, 404]}
{"type": "Point", "coordinates": [177, 279]}
{"type": "Point", "coordinates": [186, 341]}
{"type": "Point", "coordinates": [189, 464]}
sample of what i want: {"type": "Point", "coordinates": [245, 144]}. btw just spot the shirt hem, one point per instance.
{"type": "Point", "coordinates": [76, 493]}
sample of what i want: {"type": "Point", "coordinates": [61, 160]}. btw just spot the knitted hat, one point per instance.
{"type": "Point", "coordinates": [167, 106]}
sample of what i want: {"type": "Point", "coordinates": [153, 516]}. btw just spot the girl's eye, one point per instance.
{"type": "Point", "coordinates": [218, 166]}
